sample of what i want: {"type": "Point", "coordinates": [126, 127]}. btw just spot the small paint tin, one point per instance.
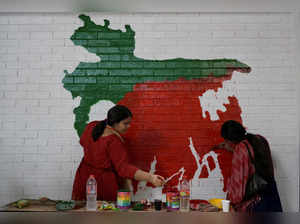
{"type": "Point", "coordinates": [123, 199]}
{"type": "Point", "coordinates": [172, 200]}
{"type": "Point", "coordinates": [168, 199]}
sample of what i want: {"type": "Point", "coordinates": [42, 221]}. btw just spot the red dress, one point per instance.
{"type": "Point", "coordinates": [107, 159]}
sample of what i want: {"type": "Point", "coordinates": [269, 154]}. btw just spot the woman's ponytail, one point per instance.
{"type": "Point", "coordinates": [98, 130]}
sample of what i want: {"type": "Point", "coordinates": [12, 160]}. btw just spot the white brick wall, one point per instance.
{"type": "Point", "coordinates": [39, 150]}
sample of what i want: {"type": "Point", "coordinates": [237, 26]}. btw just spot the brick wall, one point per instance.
{"type": "Point", "coordinates": [39, 150]}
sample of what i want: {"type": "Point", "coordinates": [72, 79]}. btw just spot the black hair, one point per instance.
{"type": "Point", "coordinates": [114, 115]}
{"type": "Point", "coordinates": [233, 131]}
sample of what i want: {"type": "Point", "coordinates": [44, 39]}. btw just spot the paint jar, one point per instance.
{"type": "Point", "coordinates": [157, 204]}
{"type": "Point", "coordinates": [123, 200]}
{"type": "Point", "coordinates": [172, 200]}
{"type": "Point", "coordinates": [168, 199]}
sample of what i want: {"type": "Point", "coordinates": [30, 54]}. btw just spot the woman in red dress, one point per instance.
{"type": "Point", "coordinates": [251, 153]}
{"type": "Point", "coordinates": [105, 157]}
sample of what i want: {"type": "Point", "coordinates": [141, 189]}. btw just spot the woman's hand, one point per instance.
{"type": "Point", "coordinates": [219, 146]}
{"type": "Point", "coordinates": [157, 180]}
{"type": "Point", "coordinates": [223, 145]}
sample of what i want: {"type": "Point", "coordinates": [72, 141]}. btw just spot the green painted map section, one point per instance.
{"type": "Point", "coordinates": [118, 70]}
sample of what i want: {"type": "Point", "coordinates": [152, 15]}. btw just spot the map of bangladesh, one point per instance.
{"type": "Point", "coordinates": [171, 132]}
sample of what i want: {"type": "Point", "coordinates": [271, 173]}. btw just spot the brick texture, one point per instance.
{"type": "Point", "coordinates": [38, 141]}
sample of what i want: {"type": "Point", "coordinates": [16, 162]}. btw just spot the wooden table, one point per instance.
{"type": "Point", "coordinates": [145, 218]}
{"type": "Point", "coordinates": [50, 206]}
{"type": "Point", "coordinates": [44, 214]}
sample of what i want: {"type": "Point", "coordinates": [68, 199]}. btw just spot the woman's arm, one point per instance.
{"type": "Point", "coordinates": [223, 145]}
{"type": "Point", "coordinates": [156, 180]}
{"type": "Point", "coordinates": [118, 155]}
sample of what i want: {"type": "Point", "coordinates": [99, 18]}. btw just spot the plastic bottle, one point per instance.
{"type": "Point", "coordinates": [184, 195]}
{"type": "Point", "coordinates": [91, 193]}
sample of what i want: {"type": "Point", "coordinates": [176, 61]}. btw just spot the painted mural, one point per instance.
{"type": "Point", "coordinates": [178, 106]}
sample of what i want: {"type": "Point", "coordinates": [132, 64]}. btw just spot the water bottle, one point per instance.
{"type": "Point", "coordinates": [91, 193]}
{"type": "Point", "coordinates": [184, 195]}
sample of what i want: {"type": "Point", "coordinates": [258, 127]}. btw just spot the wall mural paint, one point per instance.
{"type": "Point", "coordinates": [178, 105]}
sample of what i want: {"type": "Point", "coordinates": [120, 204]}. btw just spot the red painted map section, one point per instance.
{"type": "Point", "coordinates": [165, 115]}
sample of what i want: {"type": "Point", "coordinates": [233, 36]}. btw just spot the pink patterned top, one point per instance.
{"type": "Point", "coordinates": [241, 170]}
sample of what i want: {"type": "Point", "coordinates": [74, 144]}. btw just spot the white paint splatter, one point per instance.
{"type": "Point", "coordinates": [203, 188]}
{"type": "Point", "coordinates": [181, 172]}
{"type": "Point", "coordinates": [212, 101]}
{"type": "Point", "coordinates": [75, 103]}
{"type": "Point", "coordinates": [197, 159]}
{"type": "Point", "coordinates": [144, 191]}
{"type": "Point", "coordinates": [206, 188]}
{"type": "Point", "coordinates": [99, 110]}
